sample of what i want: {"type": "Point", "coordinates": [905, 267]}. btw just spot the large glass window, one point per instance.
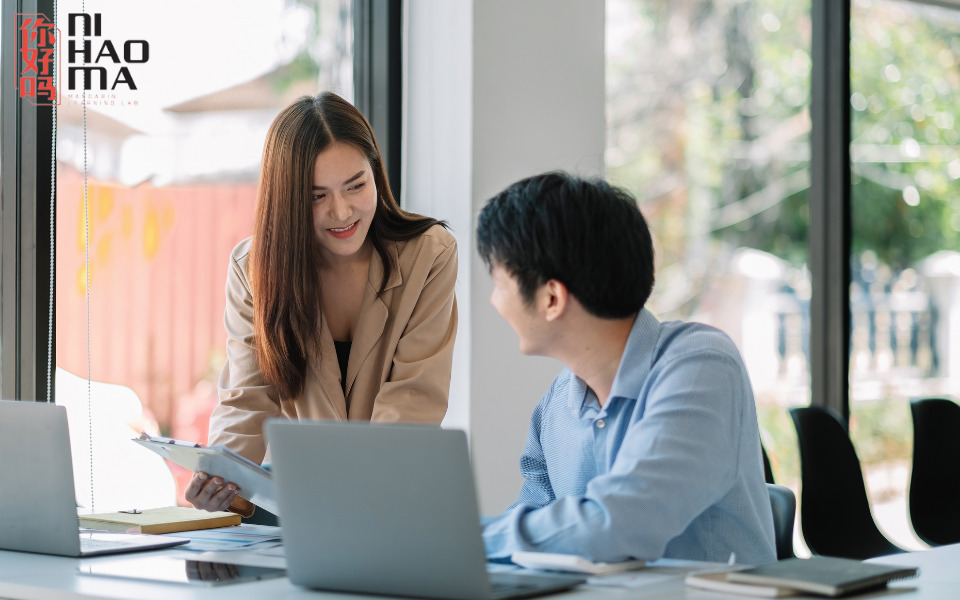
{"type": "Point", "coordinates": [708, 117]}
{"type": "Point", "coordinates": [905, 288]}
{"type": "Point", "coordinates": [156, 182]}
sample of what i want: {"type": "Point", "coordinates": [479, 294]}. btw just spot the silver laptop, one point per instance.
{"type": "Point", "coordinates": [38, 510]}
{"type": "Point", "coordinates": [386, 509]}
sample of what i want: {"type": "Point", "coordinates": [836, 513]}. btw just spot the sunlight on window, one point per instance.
{"type": "Point", "coordinates": [903, 294]}
{"type": "Point", "coordinates": [156, 182]}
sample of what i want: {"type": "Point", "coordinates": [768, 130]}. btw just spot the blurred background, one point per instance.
{"type": "Point", "coordinates": [707, 123]}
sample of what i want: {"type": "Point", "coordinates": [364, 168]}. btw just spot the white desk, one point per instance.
{"type": "Point", "coordinates": [38, 577]}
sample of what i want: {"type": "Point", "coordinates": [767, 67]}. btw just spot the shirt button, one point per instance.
{"type": "Point", "coordinates": [601, 424]}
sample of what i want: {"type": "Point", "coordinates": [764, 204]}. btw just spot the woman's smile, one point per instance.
{"type": "Point", "coordinates": [344, 232]}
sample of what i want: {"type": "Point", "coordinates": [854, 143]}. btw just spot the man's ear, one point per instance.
{"type": "Point", "coordinates": [555, 299]}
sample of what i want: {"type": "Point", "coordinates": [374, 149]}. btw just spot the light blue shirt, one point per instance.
{"type": "Point", "coordinates": [669, 467]}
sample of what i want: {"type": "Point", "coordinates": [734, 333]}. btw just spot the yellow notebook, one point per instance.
{"type": "Point", "coordinates": [169, 519]}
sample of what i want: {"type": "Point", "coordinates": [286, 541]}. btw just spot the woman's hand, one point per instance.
{"type": "Point", "coordinates": [210, 493]}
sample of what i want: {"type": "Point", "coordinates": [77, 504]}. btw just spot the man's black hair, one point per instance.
{"type": "Point", "coordinates": [585, 233]}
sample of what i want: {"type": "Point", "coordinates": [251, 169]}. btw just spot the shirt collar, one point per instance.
{"type": "Point", "coordinates": [576, 394]}
{"type": "Point", "coordinates": [637, 356]}
{"type": "Point", "coordinates": [635, 364]}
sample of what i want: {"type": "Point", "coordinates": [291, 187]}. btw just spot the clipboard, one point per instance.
{"type": "Point", "coordinates": [255, 482]}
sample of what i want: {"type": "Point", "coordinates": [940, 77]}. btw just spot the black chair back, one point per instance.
{"type": "Point", "coordinates": [934, 497]}
{"type": "Point", "coordinates": [767, 469]}
{"type": "Point", "coordinates": [784, 505]}
{"type": "Point", "coordinates": [835, 516]}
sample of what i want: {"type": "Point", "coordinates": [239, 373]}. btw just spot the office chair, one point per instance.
{"type": "Point", "coordinates": [784, 506]}
{"type": "Point", "coordinates": [767, 469]}
{"type": "Point", "coordinates": [835, 515]}
{"type": "Point", "coordinates": [934, 497]}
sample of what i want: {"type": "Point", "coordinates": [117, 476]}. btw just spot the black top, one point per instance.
{"type": "Point", "coordinates": [343, 354]}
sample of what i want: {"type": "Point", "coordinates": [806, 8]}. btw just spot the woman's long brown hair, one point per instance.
{"type": "Point", "coordinates": [284, 258]}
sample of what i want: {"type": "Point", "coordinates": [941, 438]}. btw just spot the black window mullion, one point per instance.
{"type": "Point", "coordinates": [830, 193]}
{"type": "Point", "coordinates": [377, 76]}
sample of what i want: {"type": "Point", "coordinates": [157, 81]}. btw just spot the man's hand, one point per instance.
{"type": "Point", "coordinates": [210, 493]}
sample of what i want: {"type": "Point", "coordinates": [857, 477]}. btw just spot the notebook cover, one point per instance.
{"type": "Point", "coordinates": [822, 575]}
{"type": "Point", "coordinates": [170, 519]}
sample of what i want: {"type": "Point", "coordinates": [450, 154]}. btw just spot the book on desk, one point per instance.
{"type": "Point", "coordinates": [822, 575]}
{"type": "Point", "coordinates": [717, 581]}
{"type": "Point", "coordinates": [170, 519]}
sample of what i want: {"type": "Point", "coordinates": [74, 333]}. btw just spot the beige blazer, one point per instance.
{"type": "Point", "coordinates": [400, 358]}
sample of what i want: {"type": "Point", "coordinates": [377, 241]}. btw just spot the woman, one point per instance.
{"type": "Point", "coordinates": [341, 306]}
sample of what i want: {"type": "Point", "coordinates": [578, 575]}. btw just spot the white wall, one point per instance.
{"type": "Point", "coordinates": [497, 90]}
{"type": "Point", "coordinates": [437, 151]}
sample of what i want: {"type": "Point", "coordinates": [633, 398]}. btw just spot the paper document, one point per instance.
{"type": "Point", "coordinates": [572, 563]}
{"type": "Point", "coordinates": [256, 483]}
{"type": "Point", "coordinates": [242, 537]}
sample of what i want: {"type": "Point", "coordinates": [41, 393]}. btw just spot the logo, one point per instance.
{"type": "Point", "coordinates": [94, 63]}
{"type": "Point", "coordinates": [36, 52]}
{"type": "Point", "coordinates": [109, 68]}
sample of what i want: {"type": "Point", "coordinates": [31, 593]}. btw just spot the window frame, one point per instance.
{"type": "Point", "coordinates": [26, 331]}
{"type": "Point", "coordinates": [830, 200]}
{"type": "Point", "coordinates": [378, 77]}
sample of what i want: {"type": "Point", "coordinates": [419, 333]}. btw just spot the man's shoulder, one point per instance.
{"type": "Point", "coordinates": [564, 384]}
{"type": "Point", "coordinates": [680, 338]}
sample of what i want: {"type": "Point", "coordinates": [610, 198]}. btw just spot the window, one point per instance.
{"type": "Point", "coordinates": [709, 124]}
{"type": "Point", "coordinates": [708, 117]}
{"type": "Point", "coordinates": [906, 228]}
{"type": "Point", "coordinates": [158, 181]}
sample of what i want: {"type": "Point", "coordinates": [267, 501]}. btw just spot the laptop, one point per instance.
{"type": "Point", "coordinates": [38, 509]}
{"type": "Point", "coordinates": [386, 509]}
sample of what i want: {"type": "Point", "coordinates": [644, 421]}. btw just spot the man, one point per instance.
{"type": "Point", "coordinates": [647, 444]}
